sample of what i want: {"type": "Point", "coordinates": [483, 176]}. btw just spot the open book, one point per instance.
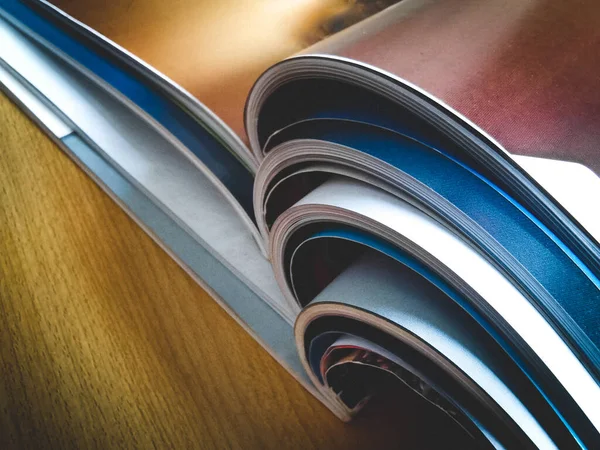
{"type": "Point", "coordinates": [349, 210]}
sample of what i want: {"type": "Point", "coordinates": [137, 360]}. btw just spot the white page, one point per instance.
{"type": "Point", "coordinates": [573, 185]}
{"type": "Point", "coordinates": [374, 284]}
{"type": "Point", "coordinates": [363, 200]}
{"type": "Point", "coordinates": [147, 157]}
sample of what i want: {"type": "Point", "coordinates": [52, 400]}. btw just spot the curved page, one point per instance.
{"type": "Point", "coordinates": [192, 254]}
{"type": "Point", "coordinates": [375, 285]}
{"type": "Point", "coordinates": [151, 98]}
{"type": "Point", "coordinates": [174, 180]}
{"type": "Point", "coordinates": [554, 277]}
{"type": "Point", "coordinates": [216, 49]}
{"type": "Point", "coordinates": [524, 71]}
{"type": "Point", "coordinates": [359, 205]}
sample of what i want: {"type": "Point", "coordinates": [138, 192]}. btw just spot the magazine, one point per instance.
{"type": "Point", "coordinates": [382, 193]}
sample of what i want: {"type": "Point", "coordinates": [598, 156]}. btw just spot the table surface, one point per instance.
{"type": "Point", "coordinates": [106, 342]}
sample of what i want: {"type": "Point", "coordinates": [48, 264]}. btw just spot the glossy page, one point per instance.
{"type": "Point", "coordinates": [525, 71]}
{"type": "Point", "coordinates": [216, 49]}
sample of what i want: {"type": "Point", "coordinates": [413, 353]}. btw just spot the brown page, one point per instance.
{"type": "Point", "coordinates": [216, 49]}
{"type": "Point", "coordinates": [525, 71]}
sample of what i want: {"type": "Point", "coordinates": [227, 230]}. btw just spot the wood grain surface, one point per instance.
{"type": "Point", "coordinates": [106, 343]}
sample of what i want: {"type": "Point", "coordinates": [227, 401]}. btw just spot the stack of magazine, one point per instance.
{"type": "Point", "coordinates": [390, 193]}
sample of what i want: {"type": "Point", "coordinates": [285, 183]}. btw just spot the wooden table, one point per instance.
{"type": "Point", "coordinates": [106, 342]}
